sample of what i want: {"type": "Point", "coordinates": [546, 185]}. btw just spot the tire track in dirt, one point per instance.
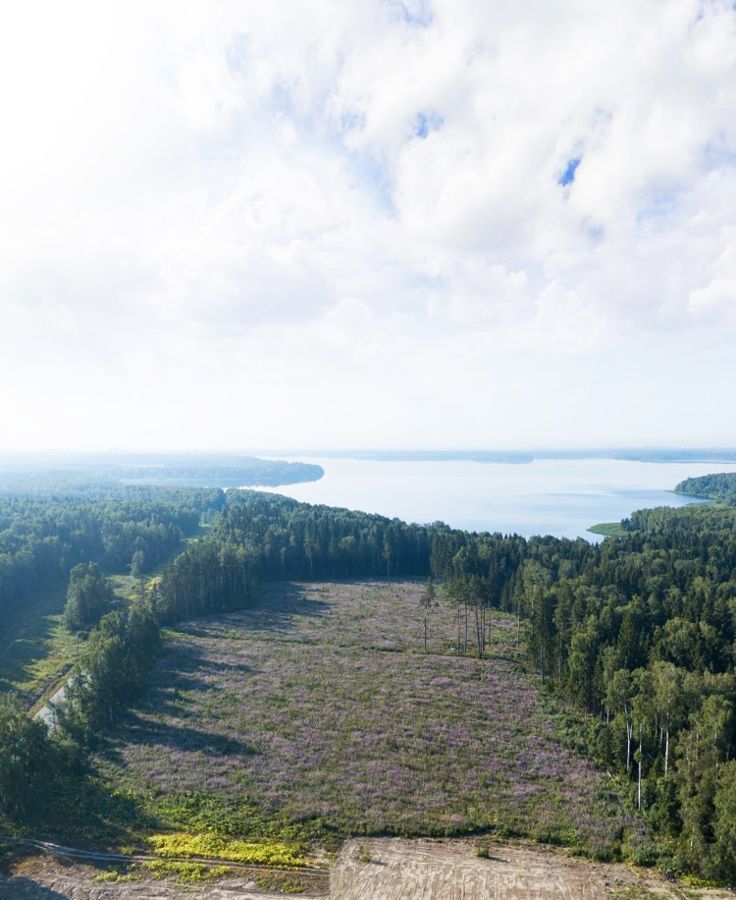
{"type": "Point", "coordinates": [398, 869]}
{"type": "Point", "coordinates": [389, 869]}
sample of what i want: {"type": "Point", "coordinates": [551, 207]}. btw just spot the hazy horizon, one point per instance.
{"type": "Point", "coordinates": [682, 453]}
{"type": "Point", "coordinates": [386, 224]}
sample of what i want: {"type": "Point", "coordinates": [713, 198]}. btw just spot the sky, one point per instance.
{"type": "Point", "coordinates": [367, 224]}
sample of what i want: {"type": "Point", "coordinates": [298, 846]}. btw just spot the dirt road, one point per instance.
{"type": "Point", "coordinates": [47, 713]}
{"type": "Point", "coordinates": [388, 869]}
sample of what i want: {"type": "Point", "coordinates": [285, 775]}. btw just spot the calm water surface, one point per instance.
{"type": "Point", "coordinates": [559, 497]}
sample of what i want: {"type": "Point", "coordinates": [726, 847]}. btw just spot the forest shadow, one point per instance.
{"type": "Point", "coordinates": [144, 733]}
{"type": "Point", "coordinates": [83, 811]}
{"type": "Point", "coordinates": [21, 888]}
{"type": "Point", "coordinates": [185, 667]}
{"type": "Point", "coordinates": [147, 723]}
{"type": "Point", "coordinates": [274, 611]}
{"type": "Point", "coordinates": [25, 637]}
{"type": "Point", "coordinates": [280, 603]}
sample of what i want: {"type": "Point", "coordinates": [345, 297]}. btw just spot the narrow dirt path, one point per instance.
{"type": "Point", "coordinates": [98, 856]}
{"type": "Point", "coordinates": [47, 713]}
{"type": "Point", "coordinates": [62, 886]}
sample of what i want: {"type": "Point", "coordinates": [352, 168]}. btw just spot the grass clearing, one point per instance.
{"type": "Point", "coordinates": [37, 650]}
{"type": "Point", "coordinates": [184, 872]}
{"type": "Point", "coordinates": [316, 715]}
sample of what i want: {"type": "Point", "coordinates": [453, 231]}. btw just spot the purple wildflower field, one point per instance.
{"type": "Point", "coordinates": [320, 702]}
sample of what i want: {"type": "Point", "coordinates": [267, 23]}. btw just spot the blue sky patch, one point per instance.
{"type": "Point", "coordinates": [374, 181]}
{"type": "Point", "coordinates": [236, 54]}
{"type": "Point", "coordinates": [425, 123]}
{"type": "Point", "coordinates": [413, 12]}
{"type": "Point", "coordinates": [660, 205]}
{"type": "Point", "coordinates": [718, 155]}
{"type": "Point", "coordinates": [568, 176]}
{"type": "Point", "coordinates": [595, 233]}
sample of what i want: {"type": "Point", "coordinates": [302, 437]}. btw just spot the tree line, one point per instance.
{"type": "Point", "coordinates": [256, 537]}
{"type": "Point", "coordinates": [262, 537]}
{"type": "Point", "coordinates": [42, 538]}
{"type": "Point", "coordinates": [720, 487]}
{"type": "Point", "coordinates": [639, 632]}
{"type": "Point", "coordinates": [112, 669]}
{"type": "Point", "coordinates": [79, 536]}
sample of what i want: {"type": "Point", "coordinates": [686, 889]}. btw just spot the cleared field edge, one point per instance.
{"type": "Point", "coordinates": [318, 706]}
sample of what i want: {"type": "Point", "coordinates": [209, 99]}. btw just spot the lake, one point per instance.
{"type": "Point", "coordinates": [562, 497]}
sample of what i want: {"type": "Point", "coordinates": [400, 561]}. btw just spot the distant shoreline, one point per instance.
{"type": "Point", "coordinates": [523, 457]}
{"type": "Point", "coordinates": [615, 529]}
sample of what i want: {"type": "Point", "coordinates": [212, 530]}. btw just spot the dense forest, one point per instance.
{"type": "Point", "coordinates": [637, 633]}
{"type": "Point", "coordinates": [263, 536]}
{"type": "Point", "coordinates": [42, 538]}
{"type": "Point", "coordinates": [720, 487]}
{"type": "Point", "coordinates": [640, 633]}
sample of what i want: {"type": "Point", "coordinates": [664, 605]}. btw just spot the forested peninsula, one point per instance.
{"type": "Point", "coordinates": [634, 638]}
{"type": "Point", "coordinates": [720, 488]}
{"type": "Point", "coordinates": [84, 473]}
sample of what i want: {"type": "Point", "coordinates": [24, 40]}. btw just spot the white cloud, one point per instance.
{"type": "Point", "coordinates": [348, 219]}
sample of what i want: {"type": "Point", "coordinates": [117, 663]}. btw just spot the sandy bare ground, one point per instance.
{"type": "Point", "coordinates": [390, 869]}
{"type": "Point", "coordinates": [451, 870]}
{"type": "Point", "coordinates": [44, 877]}
{"type": "Point", "coordinates": [80, 886]}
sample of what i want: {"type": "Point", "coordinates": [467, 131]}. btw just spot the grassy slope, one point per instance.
{"type": "Point", "coordinates": [37, 650]}
{"type": "Point", "coordinates": [317, 713]}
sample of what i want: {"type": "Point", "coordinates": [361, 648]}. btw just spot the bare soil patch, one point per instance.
{"type": "Point", "coordinates": [451, 870]}
{"type": "Point", "coordinates": [44, 877]}
{"type": "Point", "coordinates": [387, 869]}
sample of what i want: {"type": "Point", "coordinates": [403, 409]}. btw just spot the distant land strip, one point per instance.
{"type": "Point", "coordinates": [80, 472]}
{"type": "Point", "coordinates": [652, 455]}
